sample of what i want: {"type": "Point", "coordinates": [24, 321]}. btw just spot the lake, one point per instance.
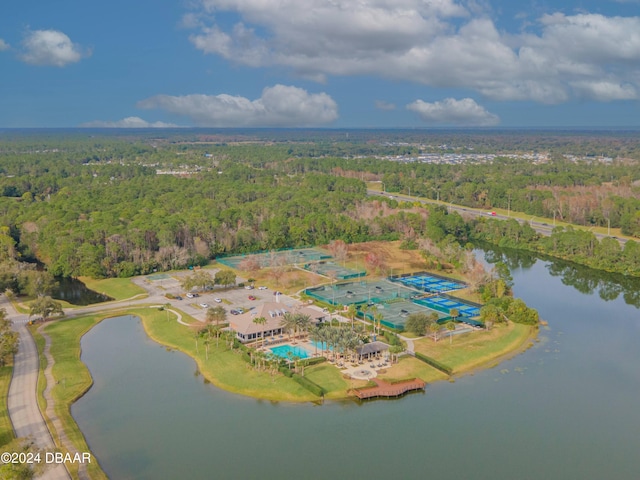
{"type": "Point", "coordinates": [564, 409]}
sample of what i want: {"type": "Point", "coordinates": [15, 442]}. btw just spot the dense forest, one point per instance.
{"type": "Point", "coordinates": [122, 203]}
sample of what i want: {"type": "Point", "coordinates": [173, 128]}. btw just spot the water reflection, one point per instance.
{"type": "Point", "coordinates": [75, 292]}
{"type": "Point", "coordinates": [608, 286]}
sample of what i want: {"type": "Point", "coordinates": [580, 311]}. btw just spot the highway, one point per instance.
{"type": "Point", "coordinates": [542, 228]}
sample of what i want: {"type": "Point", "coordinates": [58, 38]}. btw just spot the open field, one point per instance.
{"type": "Point", "coordinates": [116, 288]}
{"type": "Point", "coordinates": [471, 350]}
{"type": "Point", "coordinates": [408, 367]}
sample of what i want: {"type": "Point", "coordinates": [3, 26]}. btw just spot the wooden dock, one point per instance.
{"type": "Point", "coordinates": [389, 390]}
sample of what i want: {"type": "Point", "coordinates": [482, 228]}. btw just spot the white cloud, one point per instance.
{"type": "Point", "coordinates": [464, 112]}
{"type": "Point", "coordinates": [418, 41]}
{"type": "Point", "coordinates": [3, 45]}
{"type": "Point", "coordinates": [382, 105]}
{"type": "Point", "coordinates": [278, 106]}
{"type": "Point", "coordinates": [51, 48]}
{"type": "Point", "coordinates": [129, 122]}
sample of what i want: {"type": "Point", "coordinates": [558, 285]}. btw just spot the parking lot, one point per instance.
{"type": "Point", "coordinates": [230, 298]}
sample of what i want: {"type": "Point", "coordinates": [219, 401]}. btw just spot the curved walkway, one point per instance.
{"type": "Point", "coordinates": [50, 410]}
{"type": "Point", "coordinates": [22, 401]}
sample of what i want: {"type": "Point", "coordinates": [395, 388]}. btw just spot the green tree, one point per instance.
{"type": "Point", "coordinates": [225, 278]}
{"type": "Point", "coordinates": [9, 339]}
{"type": "Point", "coordinates": [260, 321]}
{"type": "Point", "coordinates": [200, 280]}
{"type": "Point", "coordinates": [451, 326]}
{"type": "Point", "coordinates": [216, 314]}
{"type": "Point", "coordinates": [45, 307]}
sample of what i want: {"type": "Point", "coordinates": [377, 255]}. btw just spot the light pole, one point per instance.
{"type": "Point", "coordinates": [383, 187]}
{"type": "Point", "coordinates": [509, 206]}
{"type": "Point", "coordinates": [608, 226]}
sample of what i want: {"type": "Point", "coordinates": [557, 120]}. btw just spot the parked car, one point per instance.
{"type": "Point", "coordinates": [204, 305]}
{"type": "Point", "coordinates": [178, 297]}
{"type": "Point", "coordinates": [262, 288]}
{"type": "Point", "coordinates": [248, 287]}
{"type": "Point", "coordinates": [493, 214]}
{"type": "Point", "coordinates": [251, 297]}
{"type": "Point", "coordinates": [190, 295]}
{"type": "Point", "coordinates": [235, 311]}
{"type": "Point", "coordinates": [217, 300]}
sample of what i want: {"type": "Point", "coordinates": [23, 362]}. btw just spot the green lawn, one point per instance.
{"type": "Point", "coordinates": [72, 379]}
{"type": "Point", "coordinates": [409, 367]}
{"type": "Point", "coordinates": [331, 379]}
{"type": "Point", "coordinates": [471, 350]}
{"type": "Point", "coordinates": [116, 288]}
{"type": "Point", "coordinates": [224, 368]}
{"type": "Point", "coordinates": [6, 429]}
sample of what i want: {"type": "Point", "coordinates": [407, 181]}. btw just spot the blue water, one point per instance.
{"type": "Point", "coordinates": [283, 351]}
{"type": "Point", "coordinates": [321, 346]}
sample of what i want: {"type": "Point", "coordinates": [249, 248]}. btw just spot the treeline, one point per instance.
{"type": "Point", "coordinates": [105, 225]}
{"type": "Point", "coordinates": [579, 246]}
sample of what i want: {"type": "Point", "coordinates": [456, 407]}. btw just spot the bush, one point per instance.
{"type": "Point", "coordinates": [286, 371]}
{"type": "Point", "coordinates": [434, 363]}
{"type": "Point", "coordinates": [309, 385]}
{"type": "Point", "coordinates": [307, 362]}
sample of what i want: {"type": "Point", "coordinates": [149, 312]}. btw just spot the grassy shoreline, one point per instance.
{"type": "Point", "coordinates": [6, 427]}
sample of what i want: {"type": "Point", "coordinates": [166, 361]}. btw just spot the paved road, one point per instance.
{"type": "Point", "coordinates": [541, 227]}
{"type": "Point", "coordinates": [22, 402]}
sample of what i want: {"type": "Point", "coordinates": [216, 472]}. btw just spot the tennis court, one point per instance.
{"type": "Point", "coordinates": [158, 276]}
{"type": "Point", "coordinates": [446, 304]}
{"type": "Point", "coordinates": [429, 283]}
{"type": "Point", "coordinates": [329, 269]}
{"type": "Point", "coordinates": [277, 257]}
{"type": "Point", "coordinates": [396, 313]}
{"type": "Point", "coordinates": [359, 292]}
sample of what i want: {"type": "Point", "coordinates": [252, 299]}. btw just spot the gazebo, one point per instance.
{"type": "Point", "coordinates": [372, 349]}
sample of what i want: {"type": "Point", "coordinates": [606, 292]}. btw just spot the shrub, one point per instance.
{"type": "Point", "coordinates": [307, 362]}
{"type": "Point", "coordinates": [434, 363]}
{"type": "Point", "coordinates": [309, 385]}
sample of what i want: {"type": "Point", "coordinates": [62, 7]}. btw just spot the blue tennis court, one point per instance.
{"type": "Point", "coordinates": [430, 283]}
{"type": "Point", "coordinates": [445, 305]}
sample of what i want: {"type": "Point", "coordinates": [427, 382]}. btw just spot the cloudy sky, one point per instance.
{"type": "Point", "coordinates": [320, 63]}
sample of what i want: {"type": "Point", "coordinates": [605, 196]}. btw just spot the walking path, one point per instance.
{"type": "Point", "coordinates": [22, 401]}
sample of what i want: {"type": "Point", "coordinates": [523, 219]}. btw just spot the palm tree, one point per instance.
{"type": "Point", "coordinates": [303, 322]}
{"type": "Point", "coordinates": [352, 311]}
{"type": "Point", "coordinates": [260, 321]}
{"type": "Point", "coordinates": [434, 328]}
{"type": "Point", "coordinates": [451, 326]}
{"type": "Point", "coordinates": [288, 323]}
{"type": "Point", "coordinates": [377, 318]}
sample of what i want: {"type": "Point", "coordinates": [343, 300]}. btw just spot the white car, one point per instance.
{"type": "Point", "coordinates": [190, 295]}
{"type": "Point", "coordinates": [262, 288]}
{"type": "Point", "coordinates": [217, 300]}
{"type": "Point", "coordinates": [248, 287]}
{"type": "Point", "coordinates": [204, 305]}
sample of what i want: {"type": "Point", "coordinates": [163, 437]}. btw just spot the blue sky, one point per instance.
{"type": "Point", "coordinates": [341, 63]}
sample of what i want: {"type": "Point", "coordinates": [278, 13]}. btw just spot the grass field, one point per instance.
{"type": "Point", "coordinates": [6, 429]}
{"type": "Point", "coordinates": [472, 350]}
{"type": "Point", "coordinates": [72, 378]}
{"type": "Point", "coordinates": [409, 367]}
{"type": "Point", "coordinates": [116, 288]}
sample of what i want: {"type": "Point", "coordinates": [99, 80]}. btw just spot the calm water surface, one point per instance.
{"type": "Point", "coordinates": [565, 409]}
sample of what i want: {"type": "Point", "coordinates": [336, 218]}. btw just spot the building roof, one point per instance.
{"type": "Point", "coordinates": [274, 313]}
{"type": "Point", "coordinates": [373, 347]}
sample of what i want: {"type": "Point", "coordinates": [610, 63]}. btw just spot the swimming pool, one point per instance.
{"type": "Point", "coordinates": [283, 351]}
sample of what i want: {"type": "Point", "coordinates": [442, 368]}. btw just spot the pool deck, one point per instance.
{"type": "Point", "coordinates": [389, 390]}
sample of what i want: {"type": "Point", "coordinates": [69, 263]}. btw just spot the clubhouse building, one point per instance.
{"type": "Point", "coordinates": [247, 330]}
